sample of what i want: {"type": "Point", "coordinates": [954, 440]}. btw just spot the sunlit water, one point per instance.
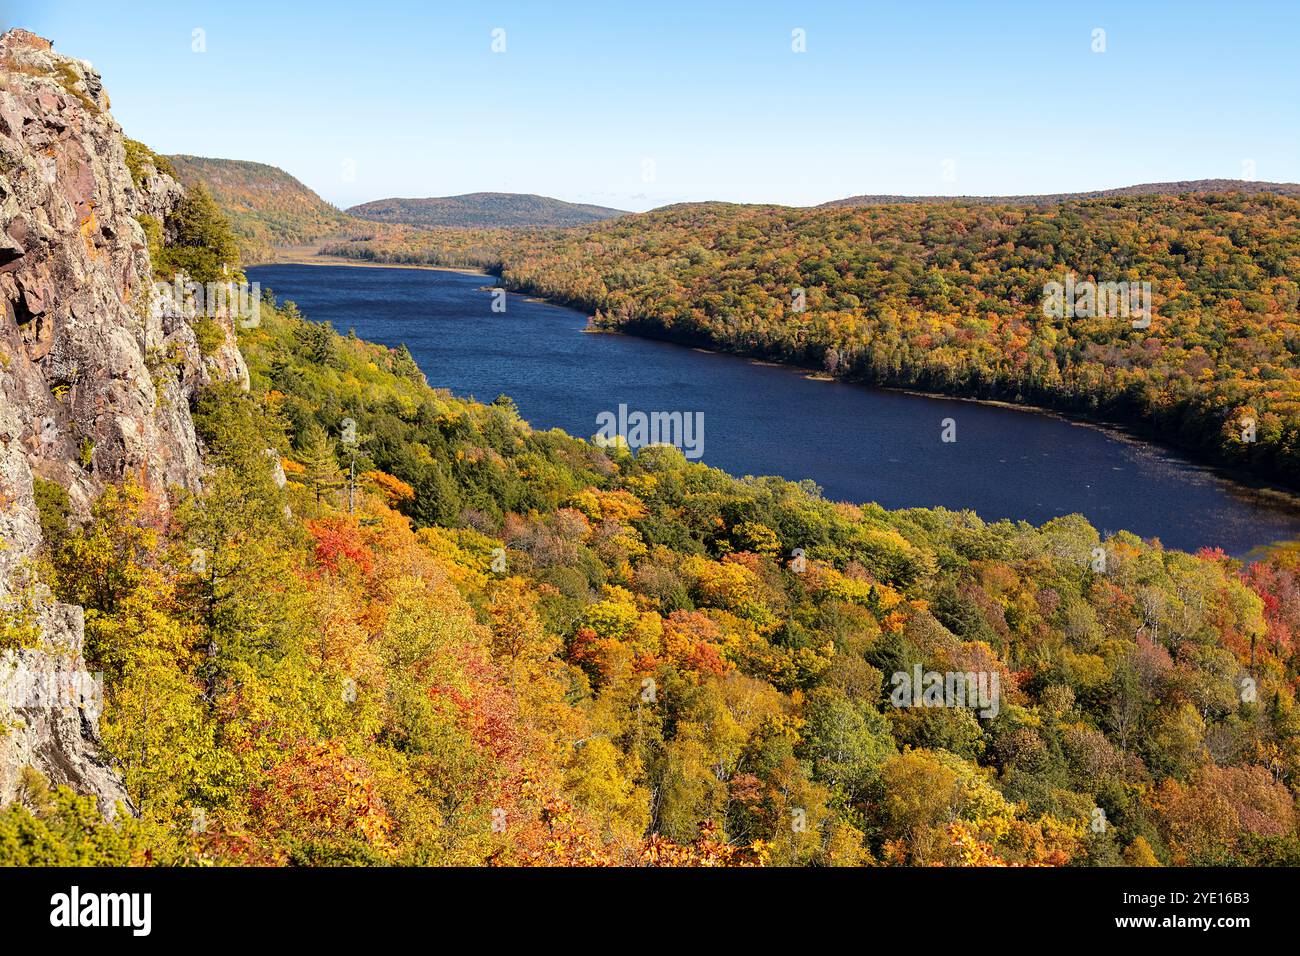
{"type": "Point", "coordinates": [858, 444]}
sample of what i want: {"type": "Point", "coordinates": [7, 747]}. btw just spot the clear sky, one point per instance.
{"type": "Point", "coordinates": [638, 103]}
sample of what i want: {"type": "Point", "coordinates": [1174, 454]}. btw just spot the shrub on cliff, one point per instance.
{"type": "Point", "coordinates": [199, 241]}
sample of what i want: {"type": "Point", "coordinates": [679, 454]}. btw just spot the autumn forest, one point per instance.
{"type": "Point", "coordinates": [321, 612]}
{"type": "Point", "coordinates": [502, 646]}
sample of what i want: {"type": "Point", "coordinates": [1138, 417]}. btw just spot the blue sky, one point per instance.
{"type": "Point", "coordinates": [637, 104]}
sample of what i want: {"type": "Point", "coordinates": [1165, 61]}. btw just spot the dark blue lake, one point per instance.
{"type": "Point", "coordinates": [858, 444]}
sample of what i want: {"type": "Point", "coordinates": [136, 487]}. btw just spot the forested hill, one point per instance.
{"type": "Point", "coordinates": [484, 210]}
{"type": "Point", "coordinates": [267, 207]}
{"type": "Point", "coordinates": [951, 298]}
{"type": "Point", "coordinates": [272, 213]}
{"type": "Point", "coordinates": [1142, 189]}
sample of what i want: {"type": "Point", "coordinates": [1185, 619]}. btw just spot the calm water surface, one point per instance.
{"type": "Point", "coordinates": [858, 444]}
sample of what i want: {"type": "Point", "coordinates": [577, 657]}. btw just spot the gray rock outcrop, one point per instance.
{"type": "Point", "coordinates": [96, 380]}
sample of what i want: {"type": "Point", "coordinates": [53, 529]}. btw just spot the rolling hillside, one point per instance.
{"type": "Point", "coordinates": [484, 210]}
{"type": "Point", "coordinates": [1199, 186]}
{"type": "Point", "coordinates": [267, 207]}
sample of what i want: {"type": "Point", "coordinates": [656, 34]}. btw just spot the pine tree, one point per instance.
{"type": "Point", "coordinates": [317, 454]}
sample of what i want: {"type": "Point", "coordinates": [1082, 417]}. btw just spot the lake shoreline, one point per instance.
{"type": "Point", "coordinates": [318, 260]}
{"type": "Point", "coordinates": [1242, 483]}
{"type": "Point", "coordinates": [1134, 431]}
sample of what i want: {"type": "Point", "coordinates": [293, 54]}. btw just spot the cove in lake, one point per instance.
{"type": "Point", "coordinates": [858, 444]}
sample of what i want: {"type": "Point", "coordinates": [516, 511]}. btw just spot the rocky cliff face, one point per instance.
{"type": "Point", "coordinates": [96, 381]}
